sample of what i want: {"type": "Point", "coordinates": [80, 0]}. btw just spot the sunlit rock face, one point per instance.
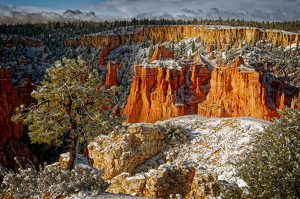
{"type": "Point", "coordinates": [161, 52]}
{"type": "Point", "coordinates": [209, 34]}
{"type": "Point", "coordinates": [241, 91]}
{"type": "Point", "coordinates": [159, 93]}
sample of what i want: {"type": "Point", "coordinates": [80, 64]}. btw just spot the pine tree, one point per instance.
{"type": "Point", "coordinates": [153, 40]}
{"type": "Point", "coordinates": [145, 41]}
{"type": "Point", "coordinates": [70, 99]}
{"type": "Point", "coordinates": [193, 46]}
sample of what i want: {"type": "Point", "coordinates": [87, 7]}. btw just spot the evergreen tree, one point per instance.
{"type": "Point", "coordinates": [145, 41]}
{"type": "Point", "coordinates": [153, 40]}
{"type": "Point", "coordinates": [193, 46]}
{"type": "Point", "coordinates": [70, 99]}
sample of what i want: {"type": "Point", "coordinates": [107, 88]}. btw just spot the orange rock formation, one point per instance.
{"type": "Point", "coordinates": [160, 93]}
{"type": "Point", "coordinates": [104, 53]}
{"type": "Point", "coordinates": [161, 52]}
{"type": "Point", "coordinates": [111, 77]}
{"type": "Point", "coordinates": [11, 133]}
{"type": "Point", "coordinates": [168, 33]}
{"type": "Point", "coordinates": [27, 42]}
{"type": "Point", "coordinates": [239, 60]}
{"type": "Point", "coordinates": [235, 93]}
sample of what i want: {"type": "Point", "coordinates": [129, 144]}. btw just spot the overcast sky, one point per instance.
{"type": "Point", "coordinates": [271, 10]}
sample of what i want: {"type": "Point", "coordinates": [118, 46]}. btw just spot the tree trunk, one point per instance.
{"type": "Point", "coordinates": [73, 153]}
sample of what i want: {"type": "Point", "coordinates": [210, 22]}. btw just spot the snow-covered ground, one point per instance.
{"type": "Point", "coordinates": [215, 142]}
{"type": "Point", "coordinates": [87, 195]}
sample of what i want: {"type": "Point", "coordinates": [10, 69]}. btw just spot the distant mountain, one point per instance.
{"type": "Point", "coordinates": [14, 17]}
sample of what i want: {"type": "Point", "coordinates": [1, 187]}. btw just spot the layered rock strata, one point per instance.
{"type": "Point", "coordinates": [207, 34]}
{"type": "Point", "coordinates": [26, 41]}
{"type": "Point", "coordinates": [159, 93]}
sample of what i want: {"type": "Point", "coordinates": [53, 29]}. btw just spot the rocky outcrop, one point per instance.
{"type": "Point", "coordinates": [160, 53]}
{"type": "Point", "coordinates": [159, 93]}
{"type": "Point", "coordinates": [131, 149]}
{"type": "Point", "coordinates": [238, 61]}
{"type": "Point", "coordinates": [135, 163]}
{"type": "Point", "coordinates": [112, 76]}
{"type": "Point", "coordinates": [207, 34]}
{"type": "Point", "coordinates": [104, 53]}
{"type": "Point", "coordinates": [26, 41]}
{"type": "Point", "coordinates": [12, 133]}
{"type": "Point", "coordinates": [241, 91]}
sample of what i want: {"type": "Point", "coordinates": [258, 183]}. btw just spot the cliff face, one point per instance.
{"type": "Point", "coordinates": [168, 33]}
{"type": "Point", "coordinates": [234, 93]}
{"type": "Point", "coordinates": [12, 133]}
{"type": "Point", "coordinates": [239, 91]}
{"type": "Point", "coordinates": [161, 93]}
{"type": "Point", "coordinates": [161, 52]}
{"type": "Point", "coordinates": [26, 41]}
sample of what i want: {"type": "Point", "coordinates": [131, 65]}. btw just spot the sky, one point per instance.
{"type": "Point", "coordinates": [267, 10]}
{"type": "Point", "coordinates": [51, 4]}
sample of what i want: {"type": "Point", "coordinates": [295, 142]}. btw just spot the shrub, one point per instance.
{"type": "Point", "coordinates": [272, 168]}
{"type": "Point", "coordinates": [175, 133]}
{"type": "Point", "coordinates": [56, 181]}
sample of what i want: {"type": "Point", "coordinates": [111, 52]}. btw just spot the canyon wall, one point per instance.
{"type": "Point", "coordinates": [161, 52]}
{"type": "Point", "coordinates": [168, 33]}
{"type": "Point", "coordinates": [159, 93]}
{"type": "Point", "coordinates": [236, 93]}
{"type": "Point", "coordinates": [11, 133]}
{"type": "Point", "coordinates": [26, 41]}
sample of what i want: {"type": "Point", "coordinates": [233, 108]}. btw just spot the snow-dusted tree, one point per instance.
{"type": "Point", "coordinates": [272, 168]}
{"type": "Point", "coordinates": [145, 41]}
{"type": "Point", "coordinates": [51, 182]}
{"type": "Point", "coordinates": [193, 46]}
{"type": "Point", "coordinates": [70, 99]}
{"type": "Point", "coordinates": [229, 42]}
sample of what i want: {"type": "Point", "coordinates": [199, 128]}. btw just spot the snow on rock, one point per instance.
{"type": "Point", "coordinates": [215, 142]}
{"type": "Point", "coordinates": [190, 164]}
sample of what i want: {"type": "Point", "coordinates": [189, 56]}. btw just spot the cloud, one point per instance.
{"type": "Point", "coordinates": [267, 10]}
{"type": "Point", "coordinates": [26, 14]}
{"type": "Point", "coordinates": [241, 9]}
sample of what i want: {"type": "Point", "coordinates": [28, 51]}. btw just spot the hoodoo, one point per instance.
{"type": "Point", "coordinates": [159, 91]}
